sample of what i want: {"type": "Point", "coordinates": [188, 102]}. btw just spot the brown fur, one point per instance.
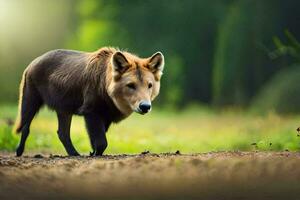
{"type": "Point", "coordinates": [94, 85]}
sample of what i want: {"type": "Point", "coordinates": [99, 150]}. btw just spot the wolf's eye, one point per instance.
{"type": "Point", "coordinates": [131, 86]}
{"type": "Point", "coordinates": [150, 85]}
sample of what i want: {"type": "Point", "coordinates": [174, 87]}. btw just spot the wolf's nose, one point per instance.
{"type": "Point", "coordinates": [145, 106]}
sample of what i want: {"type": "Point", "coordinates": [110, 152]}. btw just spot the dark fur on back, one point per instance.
{"type": "Point", "coordinates": [65, 80]}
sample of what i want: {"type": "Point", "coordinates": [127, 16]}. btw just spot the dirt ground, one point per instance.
{"type": "Point", "coordinates": [219, 175]}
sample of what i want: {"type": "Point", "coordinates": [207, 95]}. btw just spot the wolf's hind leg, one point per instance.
{"type": "Point", "coordinates": [64, 124]}
{"type": "Point", "coordinates": [30, 105]}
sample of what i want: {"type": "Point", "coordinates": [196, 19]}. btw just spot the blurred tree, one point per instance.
{"type": "Point", "coordinates": [240, 64]}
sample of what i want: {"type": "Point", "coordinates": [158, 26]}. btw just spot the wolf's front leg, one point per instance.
{"type": "Point", "coordinates": [97, 133]}
{"type": "Point", "coordinates": [88, 102]}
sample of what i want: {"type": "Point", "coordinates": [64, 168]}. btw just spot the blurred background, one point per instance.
{"type": "Point", "coordinates": [231, 75]}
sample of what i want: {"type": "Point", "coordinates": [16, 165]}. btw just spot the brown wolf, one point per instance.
{"type": "Point", "coordinates": [104, 86]}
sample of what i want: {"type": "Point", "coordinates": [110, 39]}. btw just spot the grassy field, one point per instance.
{"type": "Point", "coordinates": [190, 131]}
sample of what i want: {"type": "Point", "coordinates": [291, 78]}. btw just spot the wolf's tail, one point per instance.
{"type": "Point", "coordinates": [18, 123]}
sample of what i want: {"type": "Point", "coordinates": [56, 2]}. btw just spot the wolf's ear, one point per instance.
{"type": "Point", "coordinates": [156, 64]}
{"type": "Point", "coordinates": [119, 62]}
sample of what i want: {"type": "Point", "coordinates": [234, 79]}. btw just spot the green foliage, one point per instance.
{"type": "Point", "coordinates": [96, 26]}
{"type": "Point", "coordinates": [292, 48]}
{"type": "Point", "coordinates": [8, 141]}
{"type": "Point", "coordinates": [281, 93]}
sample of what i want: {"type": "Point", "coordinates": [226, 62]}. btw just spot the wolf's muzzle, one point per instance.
{"type": "Point", "coordinates": [144, 106]}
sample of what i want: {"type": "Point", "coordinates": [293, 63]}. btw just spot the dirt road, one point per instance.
{"type": "Point", "coordinates": [221, 175]}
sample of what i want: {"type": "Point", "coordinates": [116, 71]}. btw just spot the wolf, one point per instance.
{"type": "Point", "coordinates": [105, 87]}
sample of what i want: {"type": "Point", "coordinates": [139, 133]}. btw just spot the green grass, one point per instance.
{"type": "Point", "coordinates": [190, 131]}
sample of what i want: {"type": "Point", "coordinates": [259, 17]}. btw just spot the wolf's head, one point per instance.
{"type": "Point", "coordinates": [135, 81]}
